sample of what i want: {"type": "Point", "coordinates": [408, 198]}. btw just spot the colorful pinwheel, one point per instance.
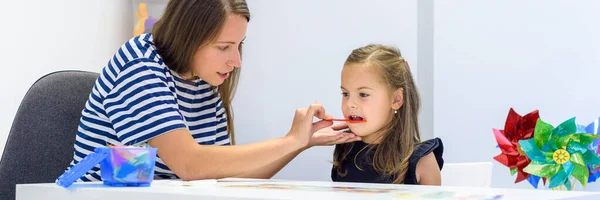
{"type": "Point", "coordinates": [516, 128]}
{"type": "Point", "coordinates": [559, 153]}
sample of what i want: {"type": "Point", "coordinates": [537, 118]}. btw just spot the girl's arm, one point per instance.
{"type": "Point", "coordinates": [428, 171]}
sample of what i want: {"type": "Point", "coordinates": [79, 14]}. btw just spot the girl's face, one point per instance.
{"type": "Point", "coordinates": [365, 96]}
{"type": "Point", "coordinates": [214, 62]}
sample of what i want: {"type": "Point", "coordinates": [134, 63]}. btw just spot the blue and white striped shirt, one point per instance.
{"type": "Point", "coordinates": [137, 98]}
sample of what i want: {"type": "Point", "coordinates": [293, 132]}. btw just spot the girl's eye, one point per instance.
{"type": "Point", "coordinates": [223, 48]}
{"type": "Point", "coordinates": [363, 95]}
{"type": "Point", "coordinates": [344, 94]}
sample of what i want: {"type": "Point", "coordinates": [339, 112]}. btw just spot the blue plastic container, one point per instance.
{"type": "Point", "coordinates": [128, 166]}
{"type": "Point", "coordinates": [119, 166]}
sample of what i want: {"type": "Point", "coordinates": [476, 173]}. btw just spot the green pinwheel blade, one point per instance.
{"type": "Point", "coordinates": [591, 158]}
{"type": "Point", "coordinates": [565, 128]}
{"type": "Point", "coordinates": [531, 150]}
{"type": "Point", "coordinates": [581, 173]}
{"type": "Point", "coordinates": [560, 142]}
{"type": "Point", "coordinates": [584, 138]}
{"type": "Point", "coordinates": [558, 178]}
{"type": "Point", "coordinates": [575, 147]}
{"type": "Point", "coordinates": [542, 170]}
{"type": "Point", "coordinates": [542, 133]}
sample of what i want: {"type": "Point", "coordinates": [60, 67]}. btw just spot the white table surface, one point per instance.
{"type": "Point", "coordinates": [223, 190]}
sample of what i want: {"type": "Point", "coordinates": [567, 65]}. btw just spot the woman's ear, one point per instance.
{"type": "Point", "coordinates": [398, 99]}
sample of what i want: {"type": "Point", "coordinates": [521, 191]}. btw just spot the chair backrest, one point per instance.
{"type": "Point", "coordinates": [476, 174]}
{"type": "Point", "coordinates": [40, 143]}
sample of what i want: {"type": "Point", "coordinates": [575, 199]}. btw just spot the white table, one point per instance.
{"type": "Point", "coordinates": [226, 190]}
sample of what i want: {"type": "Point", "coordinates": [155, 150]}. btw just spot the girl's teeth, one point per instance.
{"type": "Point", "coordinates": [354, 117]}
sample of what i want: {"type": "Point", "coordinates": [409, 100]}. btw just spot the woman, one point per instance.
{"type": "Point", "coordinates": [172, 90]}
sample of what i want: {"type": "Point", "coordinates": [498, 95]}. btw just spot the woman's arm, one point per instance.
{"type": "Point", "coordinates": [269, 170]}
{"type": "Point", "coordinates": [428, 171]}
{"type": "Point", "coordinates": [330, 135]}
{"type": "Point", "coordinates": [191, 161]}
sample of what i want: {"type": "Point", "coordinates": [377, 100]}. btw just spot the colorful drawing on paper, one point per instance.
{"type": "Point", "coordinates": [446, 195]}
{"type": "Point", "coordinates": [399, 193]}
{"type": "Point", "coordinates": [319, 188]}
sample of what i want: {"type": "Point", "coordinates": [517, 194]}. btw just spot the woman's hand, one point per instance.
{"type": "Point", "coordinates": [303, 127]}
{"type": "Point", "coordinates": [332, 135]}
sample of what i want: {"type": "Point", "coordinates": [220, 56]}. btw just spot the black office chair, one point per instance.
{"type": "Point", "coordinates": [40, 143]}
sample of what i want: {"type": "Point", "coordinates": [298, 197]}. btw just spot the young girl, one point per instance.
{"type": "Point", "coordinates": [377, 87]}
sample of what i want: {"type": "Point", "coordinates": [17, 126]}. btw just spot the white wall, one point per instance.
{"type": "Point", "coordinates": [493, 55]}
{"type": "Point", "coordinates": [475, 59]}
{"type": "Point", "coordinates": [293, 56]}
{"type": "Point", "coordinates": [40, 36]}
{"type": "Point", "coordinates": [426, 67]}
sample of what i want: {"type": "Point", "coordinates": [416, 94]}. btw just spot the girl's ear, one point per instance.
{"type": "Point", "coordinates": [398, 99]}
